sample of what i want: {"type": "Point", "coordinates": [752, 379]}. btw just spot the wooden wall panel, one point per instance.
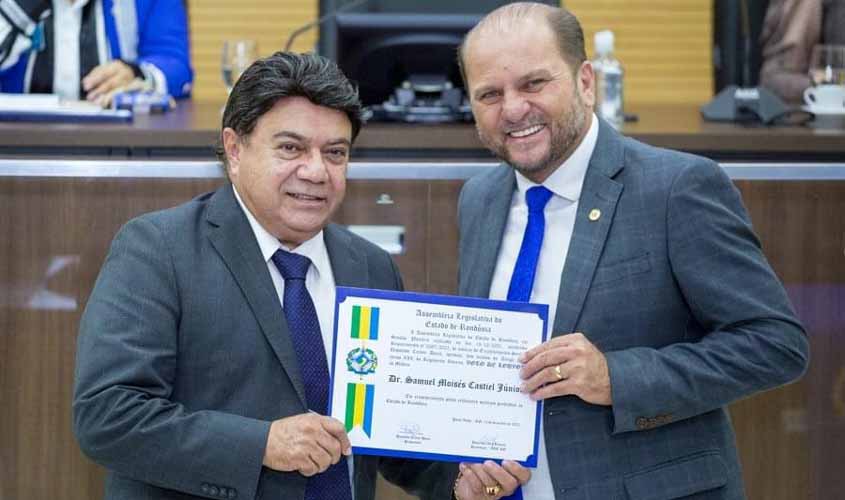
{"type": "Point", "coordinates": [408, 202]}
{"type": "Point", "coordinates": [268, 22]}
{"type": "Point", "coordinates": [56, 233]}
{"type": "Point", "coordinates": [665, 45]}
{"type": "Point", "coordinates": [791, 440]}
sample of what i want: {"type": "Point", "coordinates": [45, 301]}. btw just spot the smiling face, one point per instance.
{"type": "Point", "coordinates": [290, 171]}
{"type": "Point", "coordinates": [529, 107]}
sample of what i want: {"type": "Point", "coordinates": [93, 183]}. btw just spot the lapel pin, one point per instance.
{"type": "Point", "coordinates": [594, 214]}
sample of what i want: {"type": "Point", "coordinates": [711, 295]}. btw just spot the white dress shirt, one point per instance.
{"type": "Point", "coordinates": [319, 280]}
{"type": "Point", "coordinates": [67, 21]}
{"type": "Point", "coordinates": [565, 183]}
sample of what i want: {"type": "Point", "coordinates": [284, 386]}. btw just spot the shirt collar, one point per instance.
{"type": "Point", "coordinates": [313, 248]}
{"type": "Point", "coordinates": [568, 179]}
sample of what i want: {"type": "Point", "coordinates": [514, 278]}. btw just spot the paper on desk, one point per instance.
{"type": "Point", "coordinates": [51, 107]}
{"type": "Point", "coordinates": [44, 102]}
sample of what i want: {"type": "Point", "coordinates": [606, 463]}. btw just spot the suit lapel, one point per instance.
{"type": "Point", "coordinates": [483, 253]}
{"type": "Point", "coordinates": [349, 264]}
{"type": "Point", "coordinates": [600, 192]}
{"type": "Point", "coordinates": [234, 240]}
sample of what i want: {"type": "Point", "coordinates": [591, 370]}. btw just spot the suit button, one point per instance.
{"type": "Point", "coordinates": [223, 492]}
{"type": "Point", "coordinates": [233, 493]}
{"type": "Point", "coordinates": [213, 490]}
{"type": "Point", "coordinates": [642, 423]}
{"type": "Point", "coordinates": [205, 487]}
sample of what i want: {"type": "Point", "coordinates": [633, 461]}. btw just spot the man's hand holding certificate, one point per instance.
{"type": "Point", "coordinates": [436, 377]}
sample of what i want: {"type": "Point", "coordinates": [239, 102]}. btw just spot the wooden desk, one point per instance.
{"type": "Point", "coordinates": [191, 131]}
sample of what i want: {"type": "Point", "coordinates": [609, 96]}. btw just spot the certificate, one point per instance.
{"type": "Point", "coordinates": [434, 376]}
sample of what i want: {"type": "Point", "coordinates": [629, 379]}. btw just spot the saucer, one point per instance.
{"type": "Point", "coordinates": [819, 111]}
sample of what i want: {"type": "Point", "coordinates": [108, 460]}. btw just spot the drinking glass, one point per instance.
{"type": "Point", "coordinates": [827, 65]}
{"type": "Point", "coordinates": [237, 56]}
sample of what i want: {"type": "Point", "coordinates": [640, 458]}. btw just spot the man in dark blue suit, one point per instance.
{"type": "Point", "coordinates": [663, 308]}
{"type": "Point", "coordinates": [202, 360]}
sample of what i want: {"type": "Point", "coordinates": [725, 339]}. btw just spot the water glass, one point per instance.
{"type": "Point", "coordinates": [827, 65]}
{"type": "Point", "coordinates": [237, 56]}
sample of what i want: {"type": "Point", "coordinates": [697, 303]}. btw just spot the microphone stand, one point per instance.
{"type": "Point", "coordinates": [321, 20]}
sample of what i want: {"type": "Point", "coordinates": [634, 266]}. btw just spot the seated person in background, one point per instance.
{"type": "Point", "coordinates": [88, 49]}
{"type": "Point", "coordinates": [790, 30]}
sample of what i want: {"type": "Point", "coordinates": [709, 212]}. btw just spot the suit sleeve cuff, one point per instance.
{"type": "Point", "coordinates": [634, 387]}
{"type": "Point", "coordinates": [154, 77]}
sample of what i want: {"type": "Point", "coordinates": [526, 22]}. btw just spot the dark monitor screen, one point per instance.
{"type": "Point", "coordinates": [379, 51]}
{"type": "Point", "coordinates": [380, 43]}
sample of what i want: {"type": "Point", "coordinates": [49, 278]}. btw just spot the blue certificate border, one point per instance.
{"type": "Point", "coordinates": [542, 310]}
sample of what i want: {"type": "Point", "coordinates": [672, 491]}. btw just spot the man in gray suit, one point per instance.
{"type": "Point", "coordinates": [202, 359]}
{"type": "Point", "coordinates": [662, 305]}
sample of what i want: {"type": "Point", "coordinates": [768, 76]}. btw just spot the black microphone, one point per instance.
{"type": "Point", "coordinates": [321, 20]}
{"type": "Point", "coordinates": [746, 43]}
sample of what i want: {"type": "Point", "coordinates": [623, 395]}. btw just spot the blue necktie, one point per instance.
{"type": "Point", "coordinates": [310, 352]}
{"type": "Point", "coordinates": [522, 280]}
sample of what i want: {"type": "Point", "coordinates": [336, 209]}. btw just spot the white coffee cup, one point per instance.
{"type": "Point", "coordinates": [828, 97]}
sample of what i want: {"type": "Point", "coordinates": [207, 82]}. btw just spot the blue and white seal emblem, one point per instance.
{"type": "Point", "coordinates": [361, 361]}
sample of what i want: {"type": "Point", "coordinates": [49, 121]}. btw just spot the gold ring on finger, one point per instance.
{"type": "Point", "coordinates": [493, 490]}
{"type": "Point", "coordinates": [557, 372]}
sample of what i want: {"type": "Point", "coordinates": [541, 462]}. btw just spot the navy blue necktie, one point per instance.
{"type": "Point", "coordinates": [522, 279]}
{"type": "Point", "coordinates": [310, 352]}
